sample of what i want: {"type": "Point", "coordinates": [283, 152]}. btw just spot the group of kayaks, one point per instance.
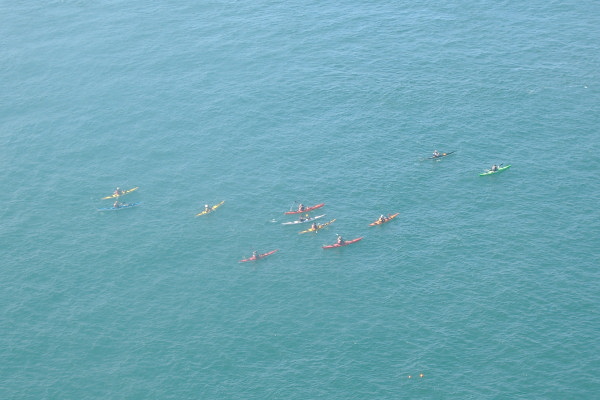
{"type": "Point", "coordinates": [305, 217]}
{"type": "Point", "coordinates": [495, 169]}
{"type": "Point", "coordinates": [302, 211]}
{"type": "Point", "coordinates": [117, 205]}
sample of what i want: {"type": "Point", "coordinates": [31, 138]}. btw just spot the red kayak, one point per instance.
{"type": "Point", "coordinates": [259, 256]}
{"type": "Point", "coordinates": [305, 209]}
{"type": "Point", "coordinates": [346, 243]}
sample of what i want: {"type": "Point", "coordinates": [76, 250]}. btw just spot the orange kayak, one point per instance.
{"type": "Point", "coordinates": [345, 243]}
{"type": "Point", "coordinates": [259, 256]}
{"type": "Point", "coordinates": [388, 218]}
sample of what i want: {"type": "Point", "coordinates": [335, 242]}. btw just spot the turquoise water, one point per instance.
{"type": "Point", "coordinates": [483, 287]}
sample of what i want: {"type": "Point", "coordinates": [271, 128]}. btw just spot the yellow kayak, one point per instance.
{"type": "Point", "coordinates": [213, 208]}
{"type": "Point", "coordinates": [320, 226]}
{"type": "Point", "coordinates": [123, 193]}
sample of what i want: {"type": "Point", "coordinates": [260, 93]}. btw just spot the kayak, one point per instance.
{"type": "Point", "coordinates": [303, 221]}
{"type": "Point", "coordinates": [441, 155]}
{"type": "Point", "coordinates": [320, 226]}
{"type": "Point", "coordinates": [489, 172]}
{"type": "Point", "coordinates": [114, 196]}
{"type": "Point", "coordinates": [346, 243]}
{"type": "Point", "coordinates": [213, 208]}
{"type": "Point", "coordinates": [388, 218]}
{"type": "Point", "coordinates": [259, 256]}
{"type": "Point", "coordinates": [122, 206]}
{"type": "Point", "coordinates": [306, 209]}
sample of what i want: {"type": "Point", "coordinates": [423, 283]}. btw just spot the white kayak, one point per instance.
{"type": "Point", "coordinates": [303, 220]}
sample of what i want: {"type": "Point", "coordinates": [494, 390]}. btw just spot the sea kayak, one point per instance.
{"type": "Point", "coordinates": [489, 172]}
{"type": "Point", "coordinates": [441, 155]}
{"type": "Point", "coordinates": [320, 226]}
{"type": "Point", "coordinates": [388, 218]}
{"type": "Point", "coordinates": [306, 209]}
{"type": "Point", "coordinates": [302, 220]}
{"type": "Point", "coordinates": [259, 256]}
{"type": "Point", "coordinates": [114, 196]}
{"type": "Point", "coordinates": [122, 206]}
{"type": "Point", "coordinates": [213, 208]}
{"type": "Point", "coordinates": [346, 243]}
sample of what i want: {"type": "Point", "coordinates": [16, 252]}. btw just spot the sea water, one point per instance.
{"type": "Point", "coordinates": [483, 287]}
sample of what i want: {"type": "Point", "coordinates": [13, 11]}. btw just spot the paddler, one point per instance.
{"type": "Point", "coordinates": [254, 255]}
{"type": "Point", "coordinates": [118, 192]}
{"type": "Point", "coordinates": [494, 168]}
{"type": "Point", "coordinates": [207, 208]}
{"type": "Point", "coordinates": [301, 207]}
{"type": "Point", "coordinates": [340, 240]}
{"type": "Point", "coordinates": [381, 219]}
{"type": "Point", "coordinates": [436, 153]}
{"type": "Point", "coordinates": [116, 204]}
{"type": "Point", "coordinates": [314, 226]}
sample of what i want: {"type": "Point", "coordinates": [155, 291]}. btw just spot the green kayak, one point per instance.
{"type": "Point", "coordinates": [489, 172]}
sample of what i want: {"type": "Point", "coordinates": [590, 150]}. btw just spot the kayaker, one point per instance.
{"type": "Point", "coordinates": [207, 208]}
{"type": "Point", "coordinates": [436, 153]}
{"type": "Point", "coordinates": [118, 192]}
{"type": "Point", "coordinates": [340, 239]}
{"type": "Point", "coordinates": [301, 207]}
{"type": "Point", "coordinates": [314, 226]}
{"type": "Point", "coordinates": [117, 204]}
{"type": "Point", "coordinates": [254, 255]}
{"type": "Point", "coordinates": [381, 219]}
{"type": "Point", "coordinates": [494, 168]}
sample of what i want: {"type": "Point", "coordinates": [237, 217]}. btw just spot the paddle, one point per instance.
{"type": "Point", "coordinates": [293, 204]}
